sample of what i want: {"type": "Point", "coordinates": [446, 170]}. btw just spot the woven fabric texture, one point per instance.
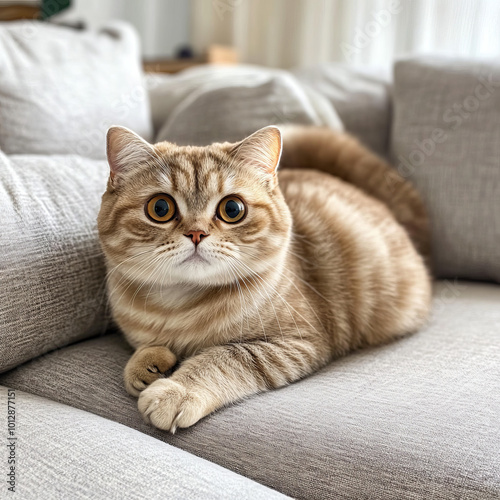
{"type": "Point", "coordinates": [66, 453]}
{"type": "Point", "coordinates": [52, 271]}
{"type": "Point", "coordinates": [61, 88]}
{"type": "Point", "coordinates": [445, 140]}
{"type": "Point", "coordinates": [414, 419]}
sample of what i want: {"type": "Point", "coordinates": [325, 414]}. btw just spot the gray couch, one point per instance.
{"type": "Point", "coordinates": [415, 419]}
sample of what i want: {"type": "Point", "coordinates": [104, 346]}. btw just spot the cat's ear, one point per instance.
{"type": "Point", "coordinates": [125, 150]}
{"type": "Point", "coordinates": [262, 149]}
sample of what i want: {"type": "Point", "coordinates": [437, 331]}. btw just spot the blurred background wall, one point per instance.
{"type": "Point", "coordinates": [286, 33]}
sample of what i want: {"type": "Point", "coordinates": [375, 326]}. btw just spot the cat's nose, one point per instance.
{"type": "Point", "coordinates": [196, 236]}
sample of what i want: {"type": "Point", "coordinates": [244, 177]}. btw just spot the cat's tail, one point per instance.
{"type": "Point", "coordinates": [343, 156]}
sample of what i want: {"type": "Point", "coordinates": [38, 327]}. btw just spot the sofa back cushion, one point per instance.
{"type": "Point", "coordinates": [52, 275]}
{"type": "Point", "coordinates": [361, 97]}
{"type": "Point", "coordinates": [446, 140]}
{"type": "Point", "coordinates": [210, 104]}
{"type": "Point", "coordinates": [61, 88]}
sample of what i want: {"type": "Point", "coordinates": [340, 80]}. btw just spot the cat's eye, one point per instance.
{"type": "Point", "coordinates": [231, 209]}
{"type": "Point", "coordinates": [161, 208]}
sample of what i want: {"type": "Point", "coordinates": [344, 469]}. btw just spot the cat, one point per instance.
{"type": "Point", "coordinates": [230, 278]}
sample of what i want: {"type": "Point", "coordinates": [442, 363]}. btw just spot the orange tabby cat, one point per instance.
{"type": "Point", "coordinates": [250, 279]}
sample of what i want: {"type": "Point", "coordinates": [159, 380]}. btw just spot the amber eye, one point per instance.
{"type": "Point", "coordinates": [231, 209]}
{"type": "Point", "coordinates": [161, 208]}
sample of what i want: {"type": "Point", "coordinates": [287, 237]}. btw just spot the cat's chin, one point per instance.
{"type": "Point", "coordinates": [196, 278]}
{"type": "Point", "coordinates": [201, 272]}
{"type": "Point", "coordinates": [195, 259]}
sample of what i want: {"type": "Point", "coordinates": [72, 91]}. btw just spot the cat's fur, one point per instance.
{"type": "Point", "coordinates": [317, 268]}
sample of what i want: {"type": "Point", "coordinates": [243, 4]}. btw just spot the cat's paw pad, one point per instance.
{"type": "Point", "coordinates": [146, 366]}
{"type": "Point", "coordinates": [168, 405]}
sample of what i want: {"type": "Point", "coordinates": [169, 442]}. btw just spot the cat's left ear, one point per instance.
{"type": "Point", "coordinates": [262, 149]}
{"type": "Point", "coordinates": [125, 150]}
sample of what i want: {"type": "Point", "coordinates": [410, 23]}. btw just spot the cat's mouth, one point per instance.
{"type": "Point", "coordinates": [194, 257]}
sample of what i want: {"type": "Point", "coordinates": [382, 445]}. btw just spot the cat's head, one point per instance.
{"type": "Point", "coordinates": [193, 215]}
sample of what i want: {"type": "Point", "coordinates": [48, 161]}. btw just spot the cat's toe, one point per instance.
{"type": "Point", "coordinates": [190, 412]}
{"type": "Point", "coordinates": [160, 403]}
{"type": "Point", "coordinates": [147, 366]}
{"type": "Point", "coordinates": [167, 405]}
{"type": "Point", "coordinates": [138, 381]}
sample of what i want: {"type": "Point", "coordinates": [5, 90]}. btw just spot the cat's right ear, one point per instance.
{"type": "Point", "coordinates": [125, 150]}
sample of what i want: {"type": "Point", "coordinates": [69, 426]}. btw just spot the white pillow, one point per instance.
{"type": "Point", "coordinates": [61, 88]}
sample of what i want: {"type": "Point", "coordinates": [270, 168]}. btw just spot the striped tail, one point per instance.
{"type": "Point", "coordinates": [343, 156]}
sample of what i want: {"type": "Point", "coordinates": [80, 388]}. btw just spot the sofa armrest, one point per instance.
{"type": "Point", "coordinates": [64, 453]}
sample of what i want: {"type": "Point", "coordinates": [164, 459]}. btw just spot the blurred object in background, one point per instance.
{"type": "Point", "coordinates": [13, 10]}
{"type": "Point", "coordinates": [185, 58]}
{"type": "Point", "coordinates": [49, 8]}
{"type": "Point", "coordinates": [163, 25]}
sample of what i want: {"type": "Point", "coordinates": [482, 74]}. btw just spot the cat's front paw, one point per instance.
{"type": "Point", "coordinates": [145, 366]}
{"type": "Point", "coordinates": [168, 405]}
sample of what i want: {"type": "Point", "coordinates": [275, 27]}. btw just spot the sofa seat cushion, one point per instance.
{"type": "Point", "coordinates": [417, 418]}
{"type": "Point", "coordinates": [62, 452]}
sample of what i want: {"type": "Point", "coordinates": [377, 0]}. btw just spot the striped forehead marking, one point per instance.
{"type": "Point", "coordinates": [199, 176]}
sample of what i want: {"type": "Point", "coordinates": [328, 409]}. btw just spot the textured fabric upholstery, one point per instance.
{"type": "Point", "coordinates": [361, 97]}
{"type": "Point", "coordinates": [51, 267]}
{"type": "Point", "coordinates": [415, 419]}
{"type": "Point", "coordinates": [446, 140]}
{"type": "Point", "coordinates": [61, 88]}
{"type": "Point", "coordinates": [64, 453]}
{"type": "Point", "coordinates": [216, 104]}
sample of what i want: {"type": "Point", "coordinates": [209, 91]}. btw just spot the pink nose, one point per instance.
{"type": "Point", "coordinates": [196, 236]}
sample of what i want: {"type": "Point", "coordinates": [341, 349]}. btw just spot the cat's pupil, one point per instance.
{"type": "Point", "coordinates": [161, 208]}
{"type": "Point", "coordinates": [232, 209]}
